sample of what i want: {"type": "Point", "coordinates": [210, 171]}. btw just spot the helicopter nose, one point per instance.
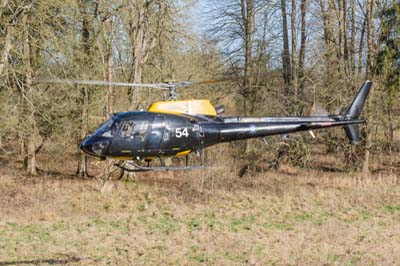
{"type": "Point", "coordinates": [94, 146]}
{"type": "Point", "coordinates": [86, 146]}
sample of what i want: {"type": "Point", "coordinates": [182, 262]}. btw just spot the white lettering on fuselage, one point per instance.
{"type": "Point", "coordinates": [180, 132]}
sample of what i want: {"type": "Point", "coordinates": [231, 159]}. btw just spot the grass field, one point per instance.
{"type": "Point", "coordinates": [204, 217]}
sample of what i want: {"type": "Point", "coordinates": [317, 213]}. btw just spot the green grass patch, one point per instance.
{"type": "Point", "coordinates": [278, 226]}
{"type": "Point", "coordinates": [333, 257]}
{"type": "Point", "coordinates": [196, 255]}
{"type": "Point", "coordinates": [392, 208]}
{"type": "Point", "coordinates": [303, 217]}
{"type": "Point", "coordinates": [201, 258]}
{"type": "Point", "coordinates": [242, 223]}
{"type": "Point", "coordinates": [166, 224]}
{"type": "Point", "coordinates": [194, 224]}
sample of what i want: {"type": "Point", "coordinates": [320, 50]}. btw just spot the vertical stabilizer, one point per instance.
{"type": "Point", "coordinates": [357, 105]}
{"type": "Point", "coordinates": [352, 133]}
{"type": "Point", "coordinates": [354, 112]}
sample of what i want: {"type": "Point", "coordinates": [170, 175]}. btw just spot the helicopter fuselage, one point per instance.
{"type": "Point", "coordinates": [139, 135]}
{"type": "Point", "coordinates": [144, 135]}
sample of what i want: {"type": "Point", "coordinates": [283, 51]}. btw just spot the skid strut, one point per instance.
{"type": "Point", "coordinates": [133, 166]}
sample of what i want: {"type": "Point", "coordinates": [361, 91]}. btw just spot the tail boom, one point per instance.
{"type": "Point", "coordinates": [237, 131]}
{"type": "Point", "coordinates": [236, 128]}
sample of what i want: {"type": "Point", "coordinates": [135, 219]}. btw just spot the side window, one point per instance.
{"type": "Point", "coordinates": [141, 128]}
{"type": "Point", "coordinates": [127, 129]}
{"type": "Point", "coordinates": [134, 129]}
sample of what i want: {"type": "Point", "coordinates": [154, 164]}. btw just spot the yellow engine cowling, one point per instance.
{"type": "Point", "coordinates": [191, 107]}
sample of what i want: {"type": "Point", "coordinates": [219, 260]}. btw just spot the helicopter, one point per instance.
{"type": "Point", "coordinates": [177, 128]}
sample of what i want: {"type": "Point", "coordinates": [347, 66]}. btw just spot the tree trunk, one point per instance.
{"type": "Point", "coordinates": [352, 38]}
{"type": "Point", "coordinates": [324, 21]}
{"type": "Point", "coordinates": [21, 145]}
{"type": "Point", "coordinates": [247, 8]}
{"type": "Point", "coordinates": [327, 17]}
{"type": "Point", "coordinates": [110, 99]}
{"type": "Point", "coordinates": [341, 21]}
{"type": "Point", "coordinates": [285, 54]}
{"type": "Point", "coordinates": [344, 35]}
{"type": "Point", "coordinates": [6, 48]}
{"type": "Point", "coordinates": [146, 24]}
{"type": "Point", "coordinates": [139, 38]}
{"type": "Point", "coordinates": [261, 53]}
{"type": "Point", "coordinates": [303, 10]}
{"type": "Point", "coordinates": [330, 53]}
{"type": "Point", "coordinates": [87, 30]}
{"type": "Point", "coordinates": [293, 28]}
{"type": "Point", "coordinates": [370, 64]}
{"type": "Point", "coordinates": [361, 47]}
{"type": "Point", "coordinates": [30, 159]}
{"type": "Point", "coordinates": [6, 53]}
{"type": "Point", "coordinates": [109, 166]}
{"type": "Point", "coordinates": [330, 60]}
{"type": "Point", "coordinates": [3, 5]}
{"type": "Point", "coordinates": [31, 167]}
{"type": "Point", "coordinates": [390, 134]}
{"type": "Point", "coordinates": [82, 170]}
{"type": "Point", "coordinates": [370, 38]}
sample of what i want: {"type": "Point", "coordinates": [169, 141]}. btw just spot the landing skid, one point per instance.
{"type": "Point", "coordinates": [133, 166]}
{"type": "Point", "coordinates": [139, 168]}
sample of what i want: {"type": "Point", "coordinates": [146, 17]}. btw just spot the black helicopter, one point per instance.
{"type": "Point", "coordinates": [177, 128]}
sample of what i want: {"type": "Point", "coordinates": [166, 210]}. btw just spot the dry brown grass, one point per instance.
{"type": "Point", "coordinates": [208, 217]}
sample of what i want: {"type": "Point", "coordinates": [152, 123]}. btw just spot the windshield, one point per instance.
{"type": "Point", "coordinates": [108, 129]}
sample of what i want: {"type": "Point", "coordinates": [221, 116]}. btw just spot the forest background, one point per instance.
{"type": "Point", "coordinates": [273, 201]}
{"type": "Point", "coordinates": [290, 58]}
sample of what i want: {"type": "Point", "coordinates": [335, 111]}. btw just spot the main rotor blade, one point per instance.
{"type": "Point", "coordinates": [101, 83]}
{"type": "Point", "coordinates": [161, 86]}
{"type": "Point", "coordinates": [212, 81]}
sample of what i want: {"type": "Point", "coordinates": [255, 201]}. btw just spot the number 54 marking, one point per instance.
{"type": "Point", "coordinates": [179, 132]}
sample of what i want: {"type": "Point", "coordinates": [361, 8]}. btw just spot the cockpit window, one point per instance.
{"type": "Point", "coordinates": [108, 129]}
{"type": "Point", "coordinates": [134, 129]}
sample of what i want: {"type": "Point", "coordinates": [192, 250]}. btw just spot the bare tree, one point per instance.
{"type": "Point", "coordinates": [293, 29]}
{"type": "Point", "coordinates": [303, 39]}
{"type": "Point", "coordinates": [9, 29]}
{"type": "Point", "coordinates": [30, 134]}
{"type": "Point", "coordinates": [247, 8]}
{"type": "Point", "coordinates": [87, 14]}
{"type": "Point", "coordinates": [144, 26]}
{"type": "Point", "coordinates": [352, 37]}
{"type": "Point", "coordinates": [368, 74]}
{"type": "Point", "coordinates": [361, 47]}
{"type": "Point", "coordinates": [285, 53]}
